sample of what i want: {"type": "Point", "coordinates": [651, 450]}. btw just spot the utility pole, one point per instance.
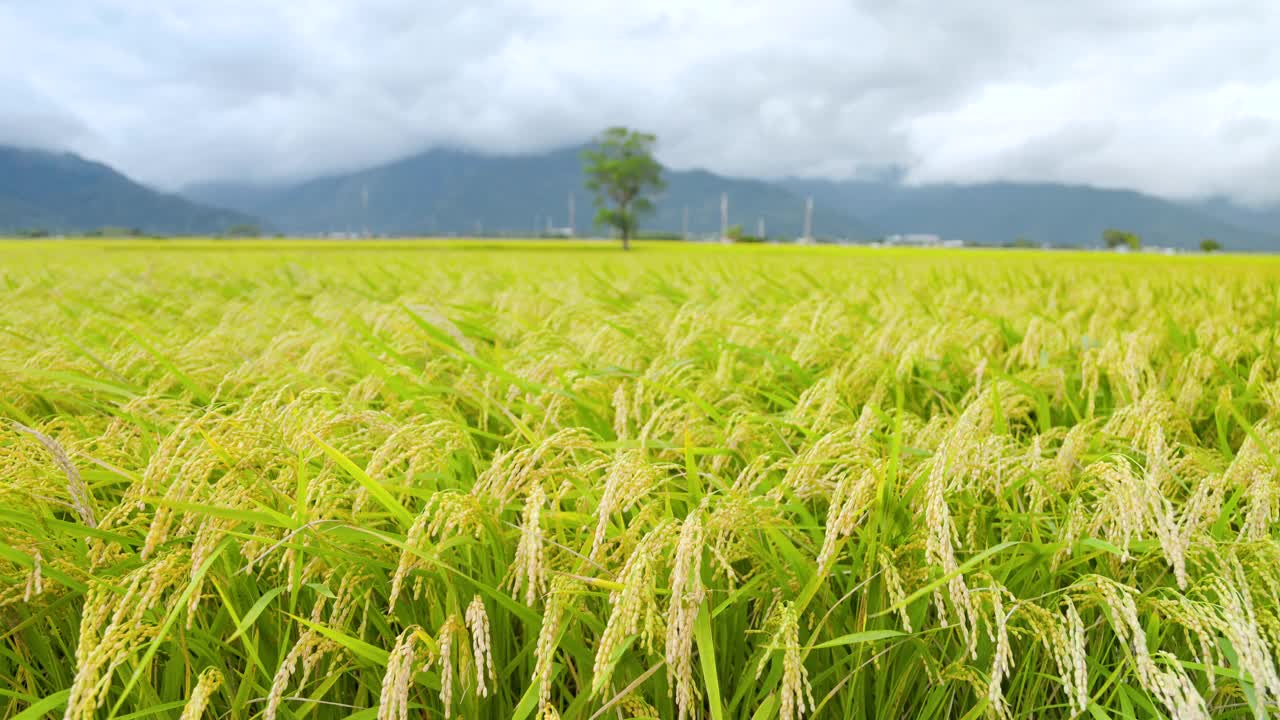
{"type": "Point", "coordinates": [346, 215]}
{"type": "Point", "coordinates": [364, 202]}
{"type": "Point", "coordinates": [808, 221]}
{"type": "Point", "coordinates": [571, 225]}
{"type": "Point", "coordinates": [760, 229]}
{"type": "Point", "coordinates": [724, 218]}
{"type": "Point", "coordinates": [684, 227]}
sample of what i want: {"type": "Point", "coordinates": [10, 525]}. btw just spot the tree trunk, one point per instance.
{"type": "Point", "coordinates": [625, 227]}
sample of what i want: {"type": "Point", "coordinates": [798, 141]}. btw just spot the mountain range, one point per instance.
{"type": "Point", "coordinates": [64, 193]}
{"type": "Point", "coordinates": [454, 192]}
{"type": "Point", "coordinates": [1044, 213]}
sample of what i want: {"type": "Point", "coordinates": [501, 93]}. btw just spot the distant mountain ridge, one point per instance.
{"type": "Point", "coordinates": [456, 192]}
{"type": "Point", "coordinates": [1261, 219]}
{"type": "Point", "coordinates": [63, 193]}
{"type": "Point", "coordinates": [1060, 215]}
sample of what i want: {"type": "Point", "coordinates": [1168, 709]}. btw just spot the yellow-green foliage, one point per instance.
{"type": "Point", "coordinates": [445, 480]}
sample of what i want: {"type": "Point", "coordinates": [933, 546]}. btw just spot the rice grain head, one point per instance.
{"type": "Point", "coordinates": [481, 646]}
{"type": "Point", "coordinates": [393, 699]}
{"type": "Point", "coordinates": [687, 595]}
{"type": "Point", "coordinates": [210, 680]}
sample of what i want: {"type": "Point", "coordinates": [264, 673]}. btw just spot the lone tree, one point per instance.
{"type": "Point", "coordinates": [1210, 245]}
{"type": "Point", "coordinates": [1119, 238]}
{"type": "Point", "coordinates": [623, 175]}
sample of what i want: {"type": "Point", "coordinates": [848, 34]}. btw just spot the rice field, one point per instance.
{"type": "Point", "coordinates": [390, 481]}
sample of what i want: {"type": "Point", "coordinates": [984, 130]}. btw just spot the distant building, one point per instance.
{"type": "Point", "coordinates": [914, 239]}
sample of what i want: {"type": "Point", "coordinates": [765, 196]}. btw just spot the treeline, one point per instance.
{"type": "Point", "coordinates": [1116, 240]}
{"type": "Point", "coordinates": [244, 230]}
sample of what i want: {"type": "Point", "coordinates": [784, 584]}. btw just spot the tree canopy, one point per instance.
{"type": "Point", "coordinates": [1119, 238]}
{"type": "Point", "coordinates": [623, 176]}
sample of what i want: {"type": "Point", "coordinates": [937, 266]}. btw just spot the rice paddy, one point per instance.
{"type": "Point", "coordinates": [387, 481]}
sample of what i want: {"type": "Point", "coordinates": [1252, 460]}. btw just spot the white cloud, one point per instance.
{"type": "Point", "coordinates": [1169, 96]}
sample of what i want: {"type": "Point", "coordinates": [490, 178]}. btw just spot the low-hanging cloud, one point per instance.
{"type": "Point", "coordinates": [1177, 97]}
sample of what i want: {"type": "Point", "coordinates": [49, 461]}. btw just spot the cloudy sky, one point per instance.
{"type": "Point", "coordinates": [1176, 97]}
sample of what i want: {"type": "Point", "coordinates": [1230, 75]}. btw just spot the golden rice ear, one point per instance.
{"type": "Point", "coordinates": [562, 596]}
{"type": "Point", "coordinates": [81, 497]}
{"type": "Point", "coordinates": [113, 623]}
{"type": "Point", "coordinates": [481, 646]}
{"type": "Point", "coordinates": [208, 682]}
{"type": "Point", "coordinates": [1002, 656]}
{"type": "Point", "coordinates": [629, 479]}
{"type": "Point", "coordinates": [796, 694]}
{"type": "Point", "coordinates": [402, 662]}
{"type": "Point", "coordinates": [527, 571]}
{"type": "Point", "coordinates": [634, 605]}
{"type": "Point", "coordinates": [446, 636]}
{"type": "Point", "coordinates": [687, 595]}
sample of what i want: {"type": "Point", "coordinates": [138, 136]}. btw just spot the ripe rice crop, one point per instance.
{"type": "Point", "coordinates": [445, 480]}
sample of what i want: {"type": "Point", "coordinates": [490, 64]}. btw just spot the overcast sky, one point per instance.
{"type": "Point", "coordinates": [1175, 97]}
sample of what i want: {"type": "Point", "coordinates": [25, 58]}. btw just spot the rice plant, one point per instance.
{"type": "Point", "coordinates": [394, 481]}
